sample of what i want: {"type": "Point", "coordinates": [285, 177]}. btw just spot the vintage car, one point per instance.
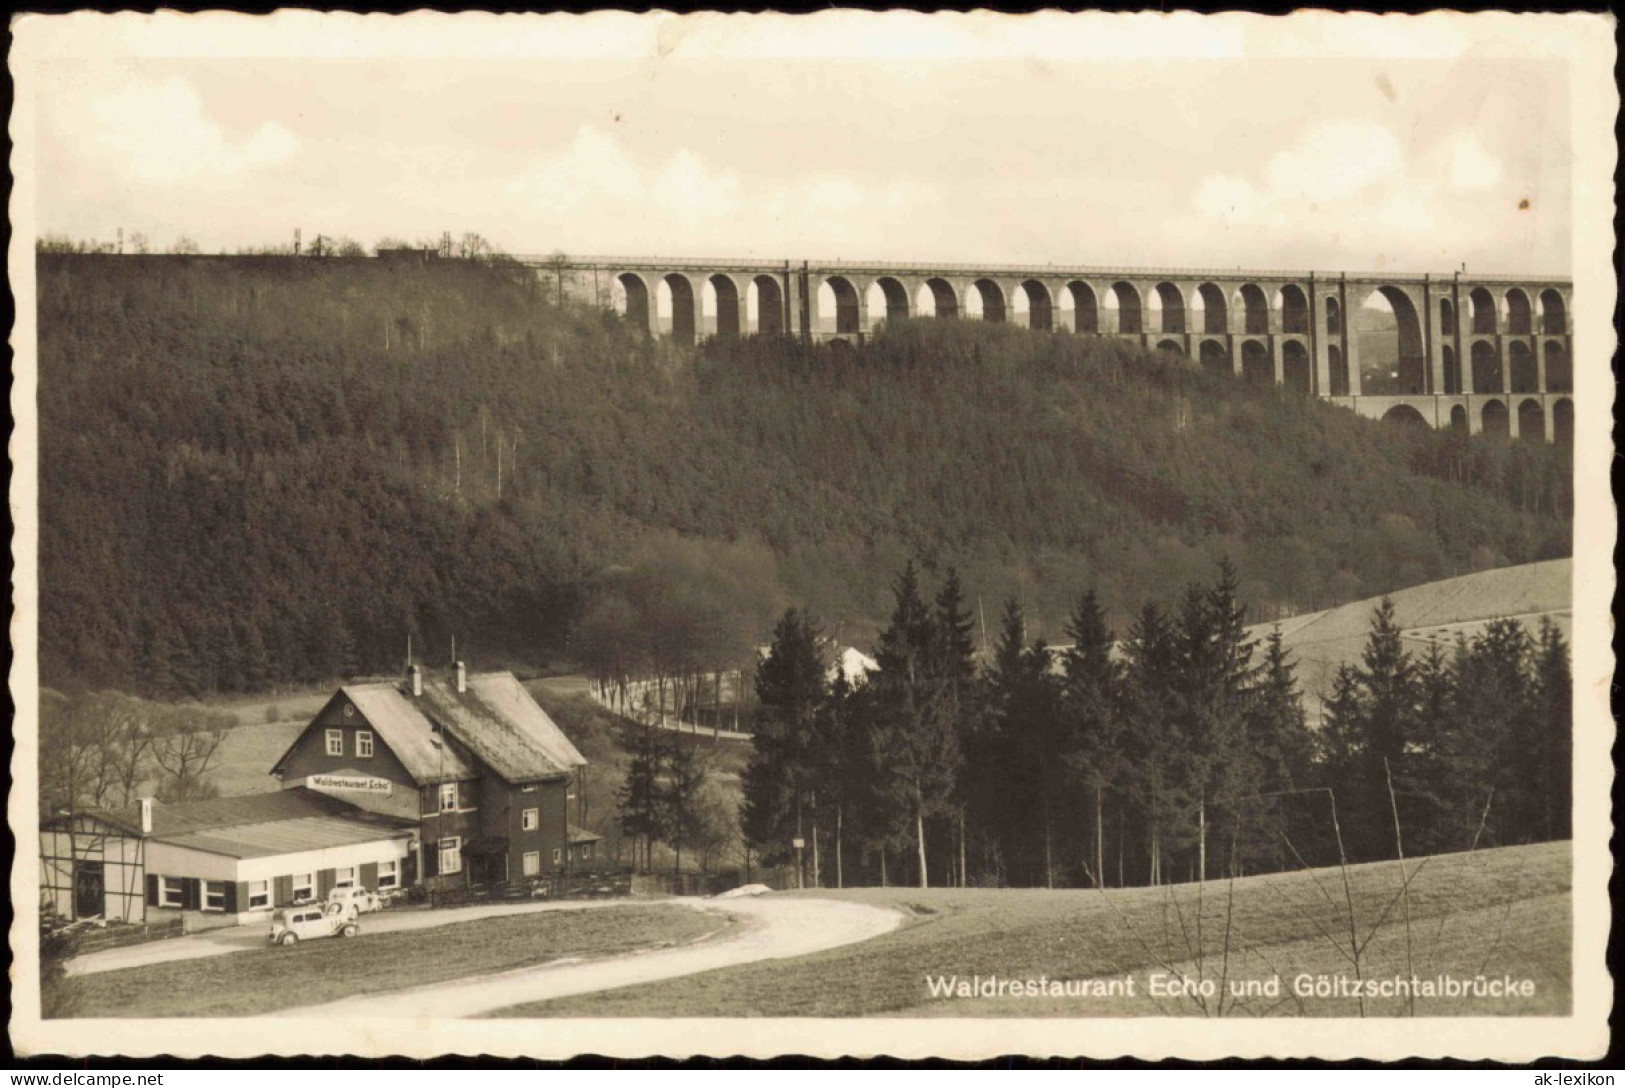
{"type": "Point", "coordinates": [364, 900]}
{"type": "Point", "coordinates": [290, 925]}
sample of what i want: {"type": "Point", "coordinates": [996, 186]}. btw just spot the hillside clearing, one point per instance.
{"type": "Point", "coordinates": [1494, 912]}
{"type": "Point", "coordinates": [268, 979]}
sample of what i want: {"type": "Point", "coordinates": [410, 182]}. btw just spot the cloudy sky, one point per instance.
{"type": "Point", "coordinates": [1026, 154]}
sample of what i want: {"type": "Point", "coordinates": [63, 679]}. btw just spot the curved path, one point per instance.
{"type": "Point", "coordinates": [244, 938]}
{"type": "Point", "coordinates": [774, 928]}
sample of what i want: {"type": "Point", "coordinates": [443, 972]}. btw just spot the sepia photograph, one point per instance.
{"type": "Point", "coordinates": [867, 534]}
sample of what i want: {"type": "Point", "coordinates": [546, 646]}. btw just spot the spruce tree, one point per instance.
{"type": "Point", "coordinates": [1281, 747]}
{"type": "Point", "coordinates": [1421, 776]}
{"type": "Point", "coordinates": [1152, 663]}
{"type": "Point", "coordinates": [1388, 718]}
{"type": "Point", "coordinates": [917, 727]}
{"type": "Point", "coordinates": [1491, 748]}
{"type": "Point", "coordinates": [1553, 745]}
{"type": "Point", "coordinates": [639, 799]}
{"type": "Point", "coordinates": [790, 686]}
{"type": "Point", "coordinates": [1090, 696]}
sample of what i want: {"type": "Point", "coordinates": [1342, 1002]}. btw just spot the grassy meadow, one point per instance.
{"type": "Point", "coordinates": [1493, 912]}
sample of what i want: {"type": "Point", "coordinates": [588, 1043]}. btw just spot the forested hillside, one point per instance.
{"type": "Point", "coordinates": [268, 470]}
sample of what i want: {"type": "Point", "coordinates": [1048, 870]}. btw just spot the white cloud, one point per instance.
{"type": "Point", "coordinates": [1468, 165]}
{"type": "Point", "coordinates": [159, 132]}
{"type": "Point", "coordinates": [1334, 161]}
{"type": "Point", "coordinates": [1351, 194]}
{"type": "Point", "coordinates": [593, 185]}
{"type": "Point", "coordinates": [1228, 199]}
{"type": "Point", "coordinates": [690, 190]}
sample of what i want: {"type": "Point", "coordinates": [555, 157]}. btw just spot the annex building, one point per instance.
{"type": "Point", "coordinates": [217, 862]}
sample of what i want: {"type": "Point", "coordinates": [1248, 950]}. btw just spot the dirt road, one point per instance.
{"type": "Point", "coordinates": [773, 928]}
{"type": "Point", "coordinates": [220, 942]}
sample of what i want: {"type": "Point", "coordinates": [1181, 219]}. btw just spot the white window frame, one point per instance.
{"type": "Point", "coordinates": [530, 819]}
{"type": "Point", "coordinates": [261, 898]}
{"type": "Point", "coordinates": [389, 874]}
{"type": "Point", "coordinates": [452, 847]}
{"type": "Point", "coordinates": [171, 892]}
{"type": "Point", "coordinates": [335, 742]}
{"type": "Point", "coordinates": [340, 880]}
{"type": "Point", "coordinates": [448, 791]}
{"type": "Point", "coordinates": [304, 882]}
{"type": "Point", "coordinates": [532, 862]}
{"type": "Point", "coordinates": [558, 855]}
{"type": "Point", "coordinates": [210, 895]}
{"type": "Point", "coordinates": [363, 743]}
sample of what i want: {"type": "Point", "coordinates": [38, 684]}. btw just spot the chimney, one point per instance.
{"type": "Point", "coordinates": [462, 678]}
{"type": "Point", "coordinates": [415, 675]}
{"type": "Point", "coordinates": [146, 815]}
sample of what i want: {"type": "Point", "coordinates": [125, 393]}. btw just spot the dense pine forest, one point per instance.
{"type": "Point", "coordinates": [260, 471]}
{"type": "Point", "coordinates": [1176, 750]}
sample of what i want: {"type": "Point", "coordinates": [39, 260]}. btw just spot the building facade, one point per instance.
{"type": "Point", "coordinates": [481, 771]}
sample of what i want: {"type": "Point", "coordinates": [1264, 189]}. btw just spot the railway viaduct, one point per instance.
{"type": "Point", "coordinates": [1488, 353]}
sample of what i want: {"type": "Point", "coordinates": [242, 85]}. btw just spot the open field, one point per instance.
{"type": "Point", "coordinates": [1494, 912]}
{"type": "Point", "coordinates": [243, 762]}
{"type": "Point", "coordinates": [1432, 612]}
{"type": "Point", "coordinates": [268, 979]}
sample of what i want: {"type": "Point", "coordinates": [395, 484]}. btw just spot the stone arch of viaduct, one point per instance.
{"type": "Point", "coordinates": [1487, 353]}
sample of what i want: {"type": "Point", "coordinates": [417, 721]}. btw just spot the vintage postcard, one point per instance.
{"type": "Point", "coordinates": [851, 534]}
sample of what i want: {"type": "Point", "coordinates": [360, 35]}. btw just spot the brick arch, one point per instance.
{"type": "Point", "coordinates": [640, 311]}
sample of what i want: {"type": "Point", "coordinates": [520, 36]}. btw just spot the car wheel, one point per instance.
{"type": "Point", "coordinates": [289, 940]}
{"type": "Point", "coordinates": [350, 931]}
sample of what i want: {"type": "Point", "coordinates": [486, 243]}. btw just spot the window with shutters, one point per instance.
{"type": "Point", "coordinates": [171, 892]}
{"type": "Point", "coordinates": [304, 886]}
{"type": "Point", "coordinates": [363, 743]}
{"type": "Point", "coordinates": [214, 895]}
{"type": "Point", "coordinates": [451, 855]}
{"type": "Point", "coordinates": [259, 894]}
{"type": "Point", "coordinates": [533, 862]}
{"type": "Point", "coordinates": [335, 742]}
{"type": "Point", "coordinates": [529, 819]}
{"type": "Point", "coordinates": [389, 874]}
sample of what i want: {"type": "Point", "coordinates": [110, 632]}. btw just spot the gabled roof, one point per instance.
{"type": "Point", "coordinates": [501, 725]}
{"type": "Point", "coordinates": [290, 836]}
{"type": "Point", "coordinates": [253, 808]}
{"type": "Point", "coordinates": [494, 721]}
{"type": "Point", "coordinates": [118, 821]}
{"type": "Point", "coordinates": [398, 719]}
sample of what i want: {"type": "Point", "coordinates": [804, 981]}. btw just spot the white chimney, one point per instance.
{"type": "Point", "coordinates": [415, 675]}
{"type": "Point", "coordinates": [146, 815]}
{"type": "Point", "coordinates": [462, 678]}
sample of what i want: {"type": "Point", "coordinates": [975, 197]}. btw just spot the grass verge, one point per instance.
{"type": "Point", "coordinates": [268, 979]}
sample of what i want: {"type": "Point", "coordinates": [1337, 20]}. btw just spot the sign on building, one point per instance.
{"type": "Point", "coordinates": [341, 783]}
